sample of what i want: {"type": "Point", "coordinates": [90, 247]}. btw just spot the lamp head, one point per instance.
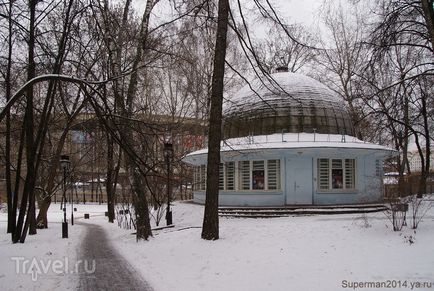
{"type": "Point", "coordinates": [64, 162]}
{"type": "Point", "coordinates": [168, 150]}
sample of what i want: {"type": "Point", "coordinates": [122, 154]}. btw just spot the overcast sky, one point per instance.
{"type": "Point", "coordinates": [295, 11]}
{"type": "Point", "coordinates": [304, 12]}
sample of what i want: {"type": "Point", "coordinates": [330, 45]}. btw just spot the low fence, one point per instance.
{"type": "Point", "coordinates": [99, 195]}
{"type": "Point", "coordinates": [410, 185]}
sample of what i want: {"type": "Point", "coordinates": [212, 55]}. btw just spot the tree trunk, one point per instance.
{"type": "Point", "coordinates": [8, 89]}
{"type": "Point", "coordinates": [210, 228]}
{"type": "Point", "coordinates": [41, 220]}
{"type": "Point", "coordinates": [428, 13]}
{"type": "Point", "coordinates": [20, 233]}
{"type": "Point", "coordinates": [143, 223]}
{"type": "Point", "coordinates": [124, 105]}
{"type": "Point", "coordinates": [110, 181]}
{"type": "Point", "coordinates": [426, 127]}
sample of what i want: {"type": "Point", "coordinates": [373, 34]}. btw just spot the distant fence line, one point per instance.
{"type": "Point", "coordinates": [409, 186]}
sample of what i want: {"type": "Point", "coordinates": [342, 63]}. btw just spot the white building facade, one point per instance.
{"type": "Point", "coordinates": [415, 161]}
{"type": "Point", "coordinates": [289, 141]}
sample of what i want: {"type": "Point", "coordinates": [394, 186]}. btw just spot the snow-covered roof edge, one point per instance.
{"type": "Point", "coordinates": [293, 141]}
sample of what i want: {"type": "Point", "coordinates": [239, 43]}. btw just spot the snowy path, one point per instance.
{"type": "Point", "coordinates": [112, 271]}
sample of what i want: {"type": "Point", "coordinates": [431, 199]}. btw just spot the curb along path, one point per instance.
{"type": "Point", "coordinates": [112, 271]}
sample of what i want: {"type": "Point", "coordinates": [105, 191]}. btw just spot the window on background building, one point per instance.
{"type": "Point", "coordinates": [200, 178]}
{"type": "Point", "coordinates": [350, 169]}
{"type": "Point", "coordinates": [336, 174]}
{"type": "Point", "coordinates": [230, 175]}
{"type": "Point", "coordinates": [273, 168]}
{"type": "Point", "coordinates": [252, 175]}
{"type": "Point", "coordinates": [221, 177]}
{"type": "Point", "coordinates": [258, 175]}
{"type": "Point", "coordinates": [244, 175]}
{"type": "Point", "coordinates": [324, 174]}
{"type": "Point", "coordinates": [378, 168]}
{"type": "Point", "coordinates": [196, 175]}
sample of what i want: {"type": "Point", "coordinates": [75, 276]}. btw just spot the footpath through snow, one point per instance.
{"type": "Point", "coordinates": [111, 271]}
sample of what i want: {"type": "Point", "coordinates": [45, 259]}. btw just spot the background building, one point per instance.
{"type": "Point", "coordinates": [86, 145]}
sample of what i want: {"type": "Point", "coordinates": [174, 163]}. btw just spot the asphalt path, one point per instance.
{"type": "Point", "coordinates": [102, 267]}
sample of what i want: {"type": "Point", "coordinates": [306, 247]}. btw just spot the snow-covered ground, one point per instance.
{"type": "Point", "coordinates": [293, 253]}
{"type": "Point", "coordinates": [45, 261]}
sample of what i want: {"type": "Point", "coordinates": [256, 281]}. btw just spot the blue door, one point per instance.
{"type": "Point", "coordinates": [299, 181]}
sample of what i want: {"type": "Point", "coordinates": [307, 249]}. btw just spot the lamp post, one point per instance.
{"type": "Point", "coordinates": [64, 164]}
{"type": "Point", "coordinates": [168, 155]}
{"type": "Point", "coordinates": [72, 204]}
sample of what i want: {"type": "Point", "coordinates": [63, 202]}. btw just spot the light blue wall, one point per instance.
{"type": "Point", "coordinates": [368, 186]}
{"type": "Point", "coordinates": [299, 179]}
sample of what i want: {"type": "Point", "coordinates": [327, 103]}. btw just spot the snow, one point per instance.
{"type": "Point", "coordinates": [46, 249]}
{"type": "Point", "coordinates": [293, 253]}
{"type": "Point", "coordinates": [391, 178]}
{"type": "Point", "coordinates": [390, 181]}
{"type": "Point", "coordinates": [290, 253]}
{"type": "Point", "coordinates": [292, 141]}
{"type": "Point", "coordinates": [282, 90]}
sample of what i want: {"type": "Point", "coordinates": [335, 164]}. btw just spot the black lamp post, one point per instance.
{"type": "Point", "coordinates": [168, 155]}
{"type": "Point", "coordinates": [71, 199]}
{"type": "Point", "coordinates": [64, 164]}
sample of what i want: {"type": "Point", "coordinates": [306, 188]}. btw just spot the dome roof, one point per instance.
{"type": "Point", "coordinates": [290, 88]}
{"type": "Point", "coordinates": [286, 102]}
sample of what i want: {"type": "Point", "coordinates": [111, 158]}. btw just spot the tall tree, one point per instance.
{"type": "Point", "coordinates": [28, 191]}
{"type": "Point", "coordinates": [210, 229]}
{"type": "Point", "coordinates": [342, 58]}
{"type": "Point", "coordinates": [428, 13]}
{"type": "Point", "coordinates": [124, 97]}
{"type": "Point", "coordinates": [277, 50]}
{"type": "Point", "coordinates": [8, 93]}
{"type": "Point", "coordinates": [65, 102]}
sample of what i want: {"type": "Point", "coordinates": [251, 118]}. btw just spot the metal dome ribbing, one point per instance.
{"type": "Point", "coordinates": [286, 102]}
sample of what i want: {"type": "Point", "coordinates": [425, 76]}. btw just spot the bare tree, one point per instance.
{"type": "Point", "coordinates": [124, 98]}
{"type": "Point", "coordinates": [210, 229]}
{"type": "Point", "coordinates": [7, 75]}
{"type": "Point", "coordinates": [401, 40]}
{"type": "Point", "coordinates": [343, 58]}
{"type": "Point", "coordinates": [277, 50]}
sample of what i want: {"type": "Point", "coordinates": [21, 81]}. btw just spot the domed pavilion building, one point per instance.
{"type": "Point", "coordinates": [290, 141]}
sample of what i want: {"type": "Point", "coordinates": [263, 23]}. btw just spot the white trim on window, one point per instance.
{"type": "Point", "coordinates": [221, 176]}
{"type": "Point", "coordinates": [258, 175]}
{"type": "Point", "coordinates": [229, 176]}
{"type": "Point", "coordinates": [273, 175]}
{"type": "Point", "coordinates": [244, 175]}
{"type": "Point", "coordinates": [202, 178]}
{"type": "Point", "coordinates": [336, 174]}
